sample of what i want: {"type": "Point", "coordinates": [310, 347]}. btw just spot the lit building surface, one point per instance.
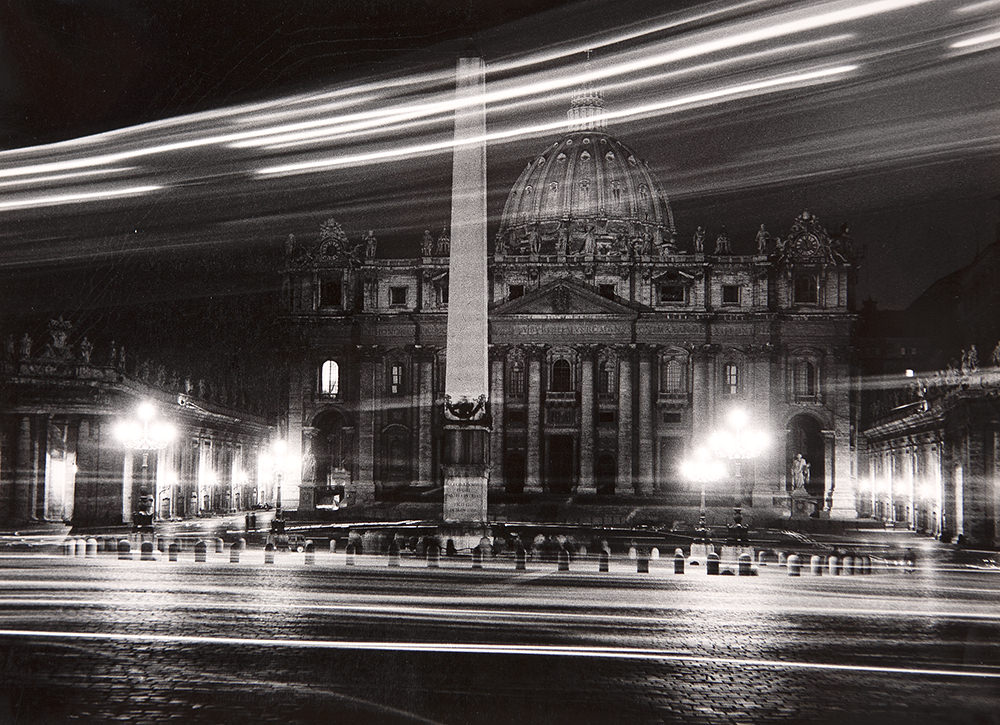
{"type": "Point", "coordinates": [617, 344]}
{"type": "Point", "coordinates": [83, 441]}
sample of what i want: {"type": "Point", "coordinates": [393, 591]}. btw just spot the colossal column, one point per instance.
{"type": "Point", "coordinates": [586, 484]}
{"type": "Point", "coordinates": [364, 486]}
{"type": "Point", "coordinates": [466, 412]}
{"type": "Point", "coordinates": [498, 356]}
{"type": "Point", "coordinates": [624, 482]}
{"type": "Point", "coordinates": [646, 449]}
{"type": "Point", "coordinates": [425, 416]}
{"type": "Point", "coordinates": [25, 472]}
{"type": "Point", "coordinates": [533, 481]}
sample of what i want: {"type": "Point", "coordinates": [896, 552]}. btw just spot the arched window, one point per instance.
{"type": "Point", "coordinates": [606, 378]}
{"type": "Point", "coordinates": [396, 381]}
{"type": "Point", "coordinates": [517, 379]}
{"type": "Point", "coordinates": [805, 379]}
{"type": "Point", "coordinates": [329, 378]}
{"type": "Point", "coordinates": [616, 194]}
{"type": "Point", "coordinates": [562, 376]}
{"type": "Point", "coordinates": [731, 379]}
{"type": "Point", "coordinates": [672, 376]}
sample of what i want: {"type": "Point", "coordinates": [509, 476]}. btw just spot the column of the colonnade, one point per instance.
{"type": "Point", "coordinates": [701, 393]}
{"type": "Point", "coordinates": [646, 448]}
{"type": "Point", "coordinates": [24, 481]}
{"type": "Point", "coordinates": [533, 481]}
{"type": "Point", "coordinates": [624, 482]}
{"type": "Point", "coordinates": [587, 356]}
{"type": "Point", "coordinates": [498, 355]}
{"type": "Point", "coordinates": [364, 486]}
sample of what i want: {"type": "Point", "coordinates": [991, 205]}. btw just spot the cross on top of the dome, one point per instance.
{"type": "Point", "coordinates": [586, 108]}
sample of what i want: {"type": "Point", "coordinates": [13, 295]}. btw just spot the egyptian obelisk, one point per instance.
{"type": "Point", "coordinates": [466, 408]}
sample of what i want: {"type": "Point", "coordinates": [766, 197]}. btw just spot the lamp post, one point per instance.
{"type": "Point", "coordinates": [145, 433]}
{"type": "Point", "coordinates": [703, 469]}
{"type": "Point", "coordinates": [278, 458]}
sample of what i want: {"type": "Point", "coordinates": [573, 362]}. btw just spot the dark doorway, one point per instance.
{"type": "Point", "coordinates": [513, 471]}
{"type": "Point", "coordinates": [804, 437]}
{"type": "Point", "coordinates": [332, 449]}
{"type": "Point", "coordinates": [669, 483]}
{"type": "Point", "coordinates": [561, 466]}
{"type": "Point", "coordinates": [604, 473]}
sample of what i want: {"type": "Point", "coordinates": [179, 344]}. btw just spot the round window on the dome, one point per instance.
{"type": "Point", "coordinates": [541, 160]}
{"type": "Point", "coordinates": [585, 156]}
{"type": "Point", "coordinates": [569, 142]}
{"type": "Point", "coordinates": [610, 155]}
{"type": "Point", "coordinates": [561, 157]}
{"type": "Point", "coordinates": [527, 191]}
{"type": "Point", "coordinates": [631, 160]}
{"type": "Point", "coordinates": [586, 140]}
{"type": "Point", "coordinates": [554, 187]}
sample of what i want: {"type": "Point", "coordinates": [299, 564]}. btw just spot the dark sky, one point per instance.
{"type": "Point", "coordinates": [903, 145]}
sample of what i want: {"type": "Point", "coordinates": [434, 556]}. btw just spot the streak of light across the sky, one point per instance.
{"type": "Point", "coordinates": [75, 198]}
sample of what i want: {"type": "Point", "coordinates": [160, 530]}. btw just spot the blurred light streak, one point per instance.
{"type": "Point", "coordinates": [627, 653]}
{"type": "Point", "coordinates": [982, 39]}
{"type": "Point", "coordinates": [40, 180]}
{"type": "Point", "coordinates": [767, 85]}
{"type": "Point", "coordinates": [976, 7]}
{"type": "Point", "coordinates": [84, 196]}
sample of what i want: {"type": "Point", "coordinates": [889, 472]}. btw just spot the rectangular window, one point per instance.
{"type": "Point", "coordinates": [517, 380]}
{"type": "Point", "coordinates": [671, 417]}
{"type": "Point", "coordinates": [397, 296]}
{"type": "Point", "coordinates": [806, 289]}
{"type": "Point", "coordinates": [330, 291]}
{"type": "Point", "coordinates": [606, 290]}
{"type": "Point", "coordinates": [671, 292]}
{"type": "Point", "coordinates": [606, 416]}
{"type": "Point", "coordinates": [515, 291]}
{"type": "Point", "coordinates": [730, 294]}
{"type": "Point", "coordinates": [731, 381]}
{"type": "Point", "coordinates": [443, 294]}
{"type": "Point", "coordinates": [396, 379]}
{"type": "Point", "coordinates": [516, 416]}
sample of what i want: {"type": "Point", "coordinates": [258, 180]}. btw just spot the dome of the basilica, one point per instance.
{"type": "Point", "coordinates": [587, 180]}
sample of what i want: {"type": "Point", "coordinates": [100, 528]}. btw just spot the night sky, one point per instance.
{"type": "Point", "coordinates": [901, 140]}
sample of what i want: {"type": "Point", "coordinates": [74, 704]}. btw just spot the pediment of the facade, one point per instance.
{"type": "Point", "coordinates": [565, 297]}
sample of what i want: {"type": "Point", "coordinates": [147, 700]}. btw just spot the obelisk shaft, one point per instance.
{"type": "Point", "coordinates": [466, 372]}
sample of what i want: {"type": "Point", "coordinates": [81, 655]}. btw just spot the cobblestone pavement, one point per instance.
{"type": "Point", "coordinates": [102, 640]}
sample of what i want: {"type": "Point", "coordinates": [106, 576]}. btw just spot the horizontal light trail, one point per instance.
{"type": "Point", "coordinates": [620, 653]}
{"type": "Point", "coordinates": [62, 177]}
{"type": "Point", "coordinates": [658, 613]}
{"type": "Point", "coordinates": [982, 39]}
{"type": "Point", "coordinates": [772, 84]}
{"type": "Point", "coordinates": [33, 202]}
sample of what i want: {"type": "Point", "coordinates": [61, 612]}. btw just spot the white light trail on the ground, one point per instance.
{"type": "Point", "coordinates": [768, 85]}
{"type": "Point", "coordinates": [33, 202]}
{"type": "Point", "coordinates": [479, 614]}
{"type": "Point", "coordinates": [621, 653]}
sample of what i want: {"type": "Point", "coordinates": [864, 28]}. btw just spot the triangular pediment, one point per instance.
{"type": "Point", "coordinates": [566, 297]}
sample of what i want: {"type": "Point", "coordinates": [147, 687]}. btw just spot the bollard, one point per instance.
{"type": "Point", "coordinates": [848, 565]}
{"type": "Point", "coordinates": [161, 544]}
{"type": "Point", "coordinates": [349, 553]}
{"type": "Point", "coordinates": [761, 558]}
{"type": "Point", "coordinates": [146, 549]}
{"type": "Point", "coordinates": [603, 560]}
{"type": "Point", "coordinates": [834, 565]}
{"type": "Point", "coordinates": [642, 563]}
{"type": "Point", "coordinates": [866, 564]}
{"type": "Point", "coordinates": [563, 559]}
{"type": "Point", "coordinates": [632, 553]}
{"type": "Point", "coordinates": [781, 558]}
{"type": "Point", "coordinates": [220, 546]}
{"type": "Point", "coordinates": [91, 550]}
{"type": "Point", "coordinates": [393, 553]}
{"type": "Point", "coordinates": [333, 546]}
{"type": "Point", "coordinates": [173, 551]}
{"type": "Point", "coordinates": [816, 565]}
{"type": "Point", "coordinates": [310, 556]}
{"type": "Point", "coordinates": [235, 549]}
{"type": "Point", "coordinates": [794, 564]}
{"type": "Point", "coordinates": [433, 555]}
{"type": "Point", "coordinates": [744, 563]}
{"type": "Point", "coordinates": [678, 562]}
{"type": "Point", "coordinates": [654, 554]}
{"type": "Point", "coordinates": [69, 548]}
{"type": "Point", "coordinates": [712, 564]}
{"type": "Point", "coordinates": [477, 558]}
{"type": "Point", "coordinates": [201, 551]}
{"type": "Point", "coordinates": [124, 549]}
{"type": "Point", "coordinates": [520, 557]}
{"type": "Point", "coordinates": [81, 547]}
{"type": "Point", "coordinates": [269, 553]}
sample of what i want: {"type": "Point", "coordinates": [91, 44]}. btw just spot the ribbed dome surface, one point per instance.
{"type": "Point", "coordinates": [587, 177]}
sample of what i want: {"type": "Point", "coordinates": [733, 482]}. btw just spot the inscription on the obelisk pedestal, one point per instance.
{"type": "Point", "coordinates": [465, 499]}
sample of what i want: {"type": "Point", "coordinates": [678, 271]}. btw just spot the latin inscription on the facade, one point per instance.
{"type": "Point", "coordinates": [570, 330]}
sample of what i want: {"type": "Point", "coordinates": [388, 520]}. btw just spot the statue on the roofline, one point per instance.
{"type": "Point", "coordinates": [699, 240]}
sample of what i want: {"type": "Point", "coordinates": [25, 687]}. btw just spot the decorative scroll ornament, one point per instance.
{"type": "Point", "coordinates": [465, 409]}
{"type": "Point", "coordinates": [808, 241]}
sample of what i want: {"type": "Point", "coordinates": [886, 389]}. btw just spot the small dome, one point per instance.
{"type": "Point", "coordinates": [587, 176]}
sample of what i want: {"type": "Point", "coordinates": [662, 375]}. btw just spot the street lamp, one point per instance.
{"type": "Point", "coordinates": [277, 460]}
{"type": "Point", "coordinates": [737, 440]}
{"type": "Point", "coordinates": [703, 469]}
{"type": "Point", "coordinates": [145, 434]}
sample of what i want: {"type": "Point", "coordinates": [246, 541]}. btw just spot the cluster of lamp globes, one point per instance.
{"type": "Point", "coordinates": [145, 432]}
{"type": "Point", "coordinates": [737, 440]}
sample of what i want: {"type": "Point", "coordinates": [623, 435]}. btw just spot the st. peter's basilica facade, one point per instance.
{"type": "Point", "coordinates": [617, 343]}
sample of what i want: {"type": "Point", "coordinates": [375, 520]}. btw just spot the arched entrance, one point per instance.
{"type": "Point", "coordinates": [805, 437]}
{"type": "Point", "coordinates": [561, 463]}
{"type": "Point", "coordinates": [396, 458]}
{"type": "Point", "coordinates": [604, 474]}
{"type": "Point", "coordinates": [332, 449]}
{"type": "Point", "coordinates": [513, 471]}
